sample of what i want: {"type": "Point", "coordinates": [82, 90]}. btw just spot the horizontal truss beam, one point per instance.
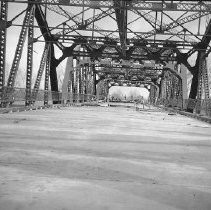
{"type": "Point", "coordinates": [116, 56]}
{"type": "Point", "coordinates": [113, 42]}
{"type": "Point", "coordinates": [134, 4]}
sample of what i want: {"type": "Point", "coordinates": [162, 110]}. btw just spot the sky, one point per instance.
{"type": "Point", "coordinates": [54, 19]}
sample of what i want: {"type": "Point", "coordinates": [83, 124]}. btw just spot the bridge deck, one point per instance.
{"type": "Point", "coordinates": [104, 158]}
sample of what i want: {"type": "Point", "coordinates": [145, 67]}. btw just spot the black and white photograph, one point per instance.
{"type": "Point", "coordinates": [105, 105]}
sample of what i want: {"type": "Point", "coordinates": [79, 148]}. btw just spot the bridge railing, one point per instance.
{"type": "Point", "coordinates": [77, 98]}
{"type": "Point", "coordinates": [170, 103]}
{"type": "Point", "coordinates": [202, 107]}
{"type": "Point", "coordinates": [17, 97]}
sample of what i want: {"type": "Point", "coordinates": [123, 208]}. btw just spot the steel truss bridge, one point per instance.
{"type": "Point", "coordinates": [110, 42]}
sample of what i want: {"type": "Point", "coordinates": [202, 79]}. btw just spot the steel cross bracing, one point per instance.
{"type": "Point", "coordinates": [122, 43]}
{"type": "Point", "coordinates": [77, 20]}
{"type": "Point", "coordinates": [160, 28]}
{"type": "Point", "coordinates": [87, 23]}
{"type": "Point", "coordinates": [19, 49]}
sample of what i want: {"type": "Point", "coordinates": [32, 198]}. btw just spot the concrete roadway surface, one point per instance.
{"type": "Point", "coordinates": [104, 158]}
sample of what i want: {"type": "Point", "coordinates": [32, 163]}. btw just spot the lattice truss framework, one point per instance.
{"type": "Point", "coordinates": [119, 41]}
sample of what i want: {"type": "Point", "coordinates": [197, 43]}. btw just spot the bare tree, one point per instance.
{"type": "Point", "coordinates": [117, 95]}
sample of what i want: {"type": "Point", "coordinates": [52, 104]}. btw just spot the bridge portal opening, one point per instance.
{"type": "Point", "coordinates": [128, 94]}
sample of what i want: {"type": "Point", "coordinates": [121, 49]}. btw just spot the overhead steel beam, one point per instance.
{"type": "Point", "coordinates": [136, 42]}
{"type": "Point", "coordinates": [134, 56]}
{"type": "Point", "coordinates": [109, 32]}
{"type": "Point", "coordinates": [135, 4]}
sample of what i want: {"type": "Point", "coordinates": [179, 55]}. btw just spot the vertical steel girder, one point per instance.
{"type": "Point", "coordinates": [19, 49]}
{"type": "Point", "coordinates": [152, 94]}
{"type": "Point", "coordinates": [53, 73]}
{"type": "Point", "coordinates": [73, 80]}
{"type": "Point", "coordinates": [94, 90]}
{"type": "Point", "coordinates": [40, 72]}
{"type": "Point", "coordinates": [203, 83]}
{"type": "Point", "coordinates": [163, 88]}
{"type": "Point", "coordinates": [102, 89]}
{"type": "Point", "coordinates": [90, 80]}
{"type": "Point", "coordinates": [3, 31]}
{"type": "Point", "coordinates": [82, 82]}
{"type": "Point", "coordinates": [203, 78]}
{"type": "Point", "coordinates": [105, 88]}
{"type": "Point", "coordinates": [178, 92]}
{"type": "Point", "coordinates": [76, 83]}
{"type": "Point", "coordinates": [168, 86]}
{"type": "Point", "coordinates": [47, 76]}
{"type": "Point", "coordinates": [174, 87]}
{"type": "Point", "coordinates": [171, 88]}
{"type": "Point", "coordinates": [69, 84]}
{"type": "Point", "coordinates": [199, 80]}
{"type": "Point", "coordinates": [30, 58]}
{"type": "Point", "coordinates": [199, 72]}
{"type": "Point", "coordinates": [86, 80]}
{"type": "Point", "coordinates": [43, 25]}
{"type": "Point", "coordinates": [121, 17]}
{"type": "Point", "coordinates": [79, 80]}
